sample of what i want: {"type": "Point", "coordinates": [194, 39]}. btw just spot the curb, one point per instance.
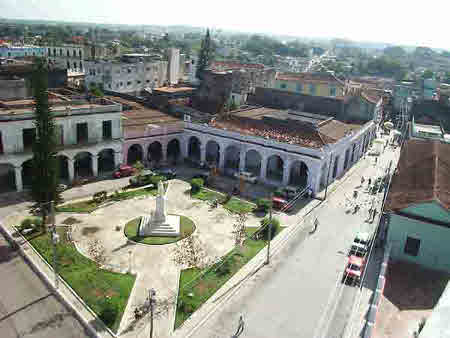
{"type": "Point", "coordinates": [48, 283]}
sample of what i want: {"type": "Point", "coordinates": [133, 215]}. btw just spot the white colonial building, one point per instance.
{"type": "Point", "coordinates": [89, 135]}
{"type": "Point", "coordinates": [130, 74]}
{"type": "Point", "coordinates": [268, 151]}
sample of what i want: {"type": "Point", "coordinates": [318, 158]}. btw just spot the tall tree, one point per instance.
{"type": "Point", "coordinates": [205, 56]}
{"type": "Point", "coordinates": [45, 165]}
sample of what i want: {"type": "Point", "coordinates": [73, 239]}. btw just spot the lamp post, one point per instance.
{"type": "Point", "coordinates": [151, 300]}
{"type": "Point", "coordinates": [269, 232]}
{"type": "Point", "coordinates": [55, 241]}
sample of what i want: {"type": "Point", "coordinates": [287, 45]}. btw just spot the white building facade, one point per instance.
{"type": "Point", "coordinates": [203, 143]}
{"type": "Point", "coordinates": [125, 77]}
{"type": "Point", "coordinates": [89, 136]}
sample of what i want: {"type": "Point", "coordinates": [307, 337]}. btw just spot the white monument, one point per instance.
{"type": "Point", "coordinates": [159, 223]}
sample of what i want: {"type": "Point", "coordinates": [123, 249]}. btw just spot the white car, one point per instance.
{"type": "Point", "coordinates": [246, 176]}
{"type": "Point", "coordinates": [361, 244]}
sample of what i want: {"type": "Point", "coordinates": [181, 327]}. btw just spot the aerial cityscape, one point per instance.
{"type": "Point", "coordinates": [223, 172]}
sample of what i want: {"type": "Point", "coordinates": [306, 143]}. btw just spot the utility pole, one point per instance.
{"type": "Point", "coordinates": [269, 232]}
{"type": "Point", "coordinates": [151, 295]}
{"type": "Point", "coordinates": [55, 241]}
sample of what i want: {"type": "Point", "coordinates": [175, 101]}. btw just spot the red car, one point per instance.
{"type": "Point", "coordinates": [280, 204]}
{"type": "Point", "coordinates": [354, 270]}
{"type": "Point", "coordinates": [123, 171]}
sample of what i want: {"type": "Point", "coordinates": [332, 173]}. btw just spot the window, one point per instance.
{"type": "Point", "coordinates": [312, 89]}
{"type": "Point", "coordinates": [68, 65]}
{"type": "Point", "coordinates": [74, 65]}
{"type": "Point", "coordinates": [283, 86]}
{"type": "Point", "coordinates": [121, 84]}
{"type": "Point", "coordinates": [109, 86]}
{"type": "Point", "coordinates": [79, 52]}
{"type": "Point", "coordinates": [107, 130]}
{"type": "Point", "coordinates": [147, 69]}
{"type": "Point", "coordinates": [74, 53]}
{"type": "Point", "coordinates": [333, 91]}
{"type": "Point", "coordinates": [29, 135]}
{"type": "Point", "coordinates": [82, 132]}
{"type": "Point", "coordinates": [138, 82]}
{"type": "Point", "coordinates": [128, 83]}
{"type": "Point", "coordinates": [26, 54]}
{"type": "Point", "coordinates": [68, 54]}
{"type": "Point", "coordinates": [129, 70]}
{"type": "Point", "coordinates": [412, 246]}
{"type": "Point", "coordinates": [60, 52]}
{"type": "Point", "coordinates": [9, 54]}
{"type": "Point", "coordinates": [148, 81]}
{"type": "Point", "coordinates": [299, 87]}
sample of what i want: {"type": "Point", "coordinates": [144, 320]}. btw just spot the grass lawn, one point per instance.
{"type": "Point", "coordinates": [89, 205]}
{"type": "Point", "coordinates": [238, 206]}
{"type": "Point", "coordinates": [192, 296]}
{"type": "Point", "coordinates": [234, 204]}
{"type": "Point", "coordinates": [187, 227]}
{"type": "Point", "coordinates": [207, 195]}
{"type": "Point", "coordinates": [105, 292]}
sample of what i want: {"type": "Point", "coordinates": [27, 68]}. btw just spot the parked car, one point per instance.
{"type": "Point", "coordinates": [279, 203]}
{"type": "Point", "coordinates": [168, 172]}
{"type": "Point", "coordinates": [292, 191]}
{"type": "Point", "coordinates": [246, 176]}
{"type": "Point", "coordinates": [360, 244]}
{"type": "Point", "coordinates": [123, 170]}
{"type": "Point", "coordinates": [143, 179]}
{"type": "Point", "coordinates": [354, 269]}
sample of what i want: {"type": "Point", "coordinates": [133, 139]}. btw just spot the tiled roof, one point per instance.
{"type": "Point", "coordinates": [336, 130]}
{"type": "Point", "coordinates": [423, 175]}
{"type": "Point", "coordinates": [229, 65]}
{"type": "Point", "coordinates": [309, 77]}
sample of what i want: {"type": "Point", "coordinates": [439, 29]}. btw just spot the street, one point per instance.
{"type": "Point", "coordinates": [300, 294]}
{"type": "Point", "coordinates": [27, 306]}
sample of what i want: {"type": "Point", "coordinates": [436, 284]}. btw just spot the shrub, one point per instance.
{"type": "Point", "coordinates": [156, 178]}
{"type": "Point", "coordinates": [224, 266]}
{"type": "Point", "coordinates": [109, 312]}
{"type": "Point", "coordinates": [279, 192]}
{"type": "Point", "coordinates": [263, 205]}
{"type": "Point", "coordinates": [227, 198]}
{"type": "Point", "coordinates": [27, 222]}
{"type": "Point", "coordinates": [196, 185]}
{"type": "Point", "coordinates": [265, 227]}
{"type": "Point", "coordinates": [100, 197]}
{"type": "Point", "coordinates": [186, 303]}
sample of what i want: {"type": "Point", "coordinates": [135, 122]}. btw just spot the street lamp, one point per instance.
{"type": "Point", "coordinates": [55, 241]}
{"type": "Point", "coordinates": [151, 301]}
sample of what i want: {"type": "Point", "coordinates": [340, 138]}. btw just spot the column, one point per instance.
{"type": "Point", "coordinates": [222, 156]}
{"type": "Point", "coordinates": [117, 158]}
{"type": "Point", "coordinates": [286, 171]}
{"type": "Point", "coordinates": [203, 152]}
{"type": "Point", "coordinates": [71, 169]}
{"type": "Point", "coordinates": [264, 168]}
{"type": "Point", "coordinates": [242, 160]}
{"type": "Point", "coordinates": [95, 165]}
{"type": "Point", "coordinates": [18, 172]}
{"type": "Point", "coordinates": [164, 152]}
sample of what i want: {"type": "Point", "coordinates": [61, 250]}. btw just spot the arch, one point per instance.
{"type": "Point", "coordinates": [63, 166]}
{"type": "Point", "coordinates": [275, 167]}
{"type": "Point", "coordinates": [173, 150]}
{"type": "Point", "coordinates": [106, 160]}
{"type": "Point", "coordinates": [74, 65]}
{"type": "Point", "coordinates": [194, 148]}
{"type": "Point", "coordinates": [154, 152]}
{"type": "Point", "coordinates": [83, 164]}
{"type": "Point", "coordinates": [232, 157]}
{"type": "Point", "coordinates": [253, 162]}
{"type": "Point", "coordinates": [135, 153]}
{"type": "Point", "coordinates": [298, 175]}
{"type": "Point", "coordinates": [27, 173]}
{"type": "Point", "coordinates": [7, 178]}
{"type": "Point", "coordinates": [213, 152]}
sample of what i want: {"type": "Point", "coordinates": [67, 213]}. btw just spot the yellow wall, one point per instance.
{"type": "Point", "coordinates": [321, 89]}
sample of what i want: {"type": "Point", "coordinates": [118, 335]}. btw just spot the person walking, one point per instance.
{"type": "Point", "coordinates": [316, 224]}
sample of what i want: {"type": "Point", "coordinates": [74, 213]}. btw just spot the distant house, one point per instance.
{"type": "Point", "coordinates": [419, 202]}
{"type": "Point", "coordinates": [316, 84]}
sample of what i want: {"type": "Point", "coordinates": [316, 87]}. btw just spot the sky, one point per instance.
{"type": "Point", "coordinates": [417, 23]}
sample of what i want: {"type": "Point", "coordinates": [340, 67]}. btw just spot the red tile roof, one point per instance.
{"type": "Point", "coordinates": [309, 77]}
{"type": "Point", "coordinates": [230, 65]}
{"type": "Point", "coordinates": [423, 175]}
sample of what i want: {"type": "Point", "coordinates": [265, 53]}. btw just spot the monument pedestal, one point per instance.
{"type": "Point", "coordinates": [159, 223]}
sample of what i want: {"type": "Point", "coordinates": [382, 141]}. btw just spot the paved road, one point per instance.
{"type": "Point", "coordinates": [27, 307]}
{"type": "Point", "coordinates": [291, 298]}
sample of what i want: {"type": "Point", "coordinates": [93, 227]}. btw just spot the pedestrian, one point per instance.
{"type": "Point", "coordinates": [316, 224]}
{"type": "Point", "coordinates": [376, 160]}
{"type": "Point", "coordinates": [362, 180]}
{"type": "Point", "coordinates": [370, 181]}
